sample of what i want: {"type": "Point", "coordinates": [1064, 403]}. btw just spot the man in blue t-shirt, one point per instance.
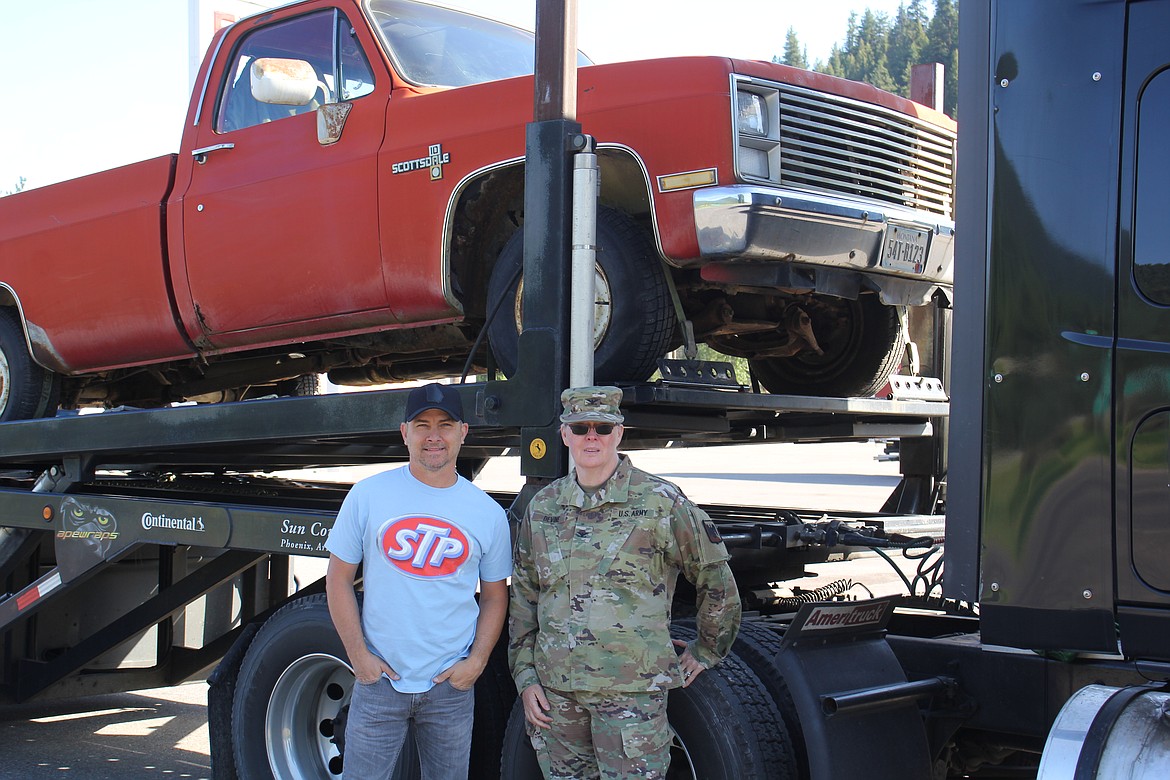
{"type": "Point", "coordinates": [425, 537]}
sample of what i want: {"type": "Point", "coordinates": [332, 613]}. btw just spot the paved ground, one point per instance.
{"type": "Point", "coordinates": [163, 732]}
{"type": "Point", "coordinates": [157, 733]}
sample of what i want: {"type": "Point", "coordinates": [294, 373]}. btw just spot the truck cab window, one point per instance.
{"type": "Point", "coordinates": [1151, 234]}
{"type": "Point", "coordinates": [443, 47]}
{"type": "Point", "coordinates": [286, 47]}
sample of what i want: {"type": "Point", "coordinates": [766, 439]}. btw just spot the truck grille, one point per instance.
{"type": "Point", "coordinates": [834, 144]}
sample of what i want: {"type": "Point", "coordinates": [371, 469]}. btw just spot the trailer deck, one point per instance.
{"type": "Point", "coordinates": [362, 428]}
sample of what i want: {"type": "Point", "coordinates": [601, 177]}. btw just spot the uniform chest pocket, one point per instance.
{"type": "Point", "coordinates": [552, 563]}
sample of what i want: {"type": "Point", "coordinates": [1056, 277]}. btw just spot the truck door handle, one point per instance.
{"type": "Point", "coordinates": [200, 155]}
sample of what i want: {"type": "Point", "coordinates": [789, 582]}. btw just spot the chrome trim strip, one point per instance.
{"type": "Point", "coordinates": [24, 327]}
{"type": "Point", "coordinates": [207, 76]}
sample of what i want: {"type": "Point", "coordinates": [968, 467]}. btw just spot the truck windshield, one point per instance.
{"type": "Point", "coordinates": [443, 47]}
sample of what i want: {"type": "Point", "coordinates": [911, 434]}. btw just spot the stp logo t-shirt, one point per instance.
{"type": "Point", "coordinates": [423, 551]}
{"type": "Point", "coordinates": [425, 546]}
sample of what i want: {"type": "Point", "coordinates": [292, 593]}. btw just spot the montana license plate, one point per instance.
{"type": "Point", "coordinates": [904, 249]}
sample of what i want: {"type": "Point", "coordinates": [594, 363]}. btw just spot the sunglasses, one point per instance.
{"type": "Point", "coordinates": [581, 429]}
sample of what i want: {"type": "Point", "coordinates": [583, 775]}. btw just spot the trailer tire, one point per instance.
{"type": "Point", "coordinates": [293, 685]}
{"type": "Point", "coordinates": [495, 693]}
{"type": "Point", "coordinates": [632, 285]}
{"type": "Point", "coordinates": [862, 341]}
{"type": "Point", "coordinates": [725, 724]}
{"type": "Point", "coordinates": [11, 540]}
{"type": "Point", "coordinates": [27, 391]}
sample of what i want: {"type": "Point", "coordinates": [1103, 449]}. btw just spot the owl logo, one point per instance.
{"type": "Point", "coordinates": [95, 526]}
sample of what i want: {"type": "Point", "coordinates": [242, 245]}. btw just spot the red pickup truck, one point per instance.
{"type": "Point", "coordinates": [347, 197]}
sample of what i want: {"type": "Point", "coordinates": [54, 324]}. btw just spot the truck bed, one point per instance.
{"type": "Point", "coordinates": [112, 225]}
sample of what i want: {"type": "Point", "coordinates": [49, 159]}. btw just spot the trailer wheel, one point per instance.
{"type": "Point", "coordinates": [27, 390]}
{"type": "Point", "coordinates": [862, 342]}
{"type": "Point", "coordinates": [633, 313]}
{"type": "Point", "coordinates": [495, 693]}
{"type": "Point", "coordinates": [725, 728]}
{"type": "Point", "coordinates": [292, 696]}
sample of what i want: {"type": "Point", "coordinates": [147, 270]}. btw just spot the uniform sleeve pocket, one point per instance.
{"type": "Point", "coordinates": [646, 738]}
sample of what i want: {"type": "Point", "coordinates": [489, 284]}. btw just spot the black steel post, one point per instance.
{"type": "Point", "coordinates": [544, 343]}
{"type": "Point", "coordinates": [964, 470]}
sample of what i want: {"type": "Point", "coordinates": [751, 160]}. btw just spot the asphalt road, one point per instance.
{"type": "Point", "coordinates": [156, 733]}
{"type": "Point", "coordinates": [163, 732]}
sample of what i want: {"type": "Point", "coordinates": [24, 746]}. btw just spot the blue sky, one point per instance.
{"type": "Point", "coordinates": [91, 85]}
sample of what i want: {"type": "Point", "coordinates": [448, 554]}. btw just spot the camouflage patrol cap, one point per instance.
{"type": "Point", "coordinates": [592, 404]}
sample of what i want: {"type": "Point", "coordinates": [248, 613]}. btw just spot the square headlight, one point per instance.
{"type": "Point", "coordinates": [752, 116]}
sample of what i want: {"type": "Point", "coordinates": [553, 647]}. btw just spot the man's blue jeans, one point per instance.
{"type": "Point", "coordinates": [379, 717]}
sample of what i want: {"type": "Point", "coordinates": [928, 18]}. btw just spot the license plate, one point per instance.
{"type": "Point", "coordinates": [904, 249]}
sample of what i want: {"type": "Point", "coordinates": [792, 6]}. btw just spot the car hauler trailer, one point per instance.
{"type": "Point", "coordinates": [147, 547]}
{"type": "Point", "coordinates": [1048, 654]}
{"type": "Point", "coordinates": [143, 548]}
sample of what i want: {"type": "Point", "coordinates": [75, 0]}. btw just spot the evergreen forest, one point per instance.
{"type": "Point", "coordinates": [880, 50]}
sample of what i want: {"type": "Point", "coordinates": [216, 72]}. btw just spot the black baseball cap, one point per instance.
{"type": "Point", "coordinates": [434, 396]}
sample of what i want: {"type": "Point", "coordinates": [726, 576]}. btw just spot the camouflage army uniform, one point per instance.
{"type": "Point", "coordinates": [590, 615]}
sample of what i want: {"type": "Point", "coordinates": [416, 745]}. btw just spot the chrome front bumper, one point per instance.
{"type": "Point", "coordinates": [763, 224]}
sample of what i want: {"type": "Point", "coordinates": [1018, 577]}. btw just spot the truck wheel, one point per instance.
{"type": "Point", "coordinates": [494, 694]}
{"type": "Point", "coordinates": [292, 696]}
{"type": "Point", "coordinates": [309, 384]}
{"type": "Point", "coordinates": [757, 647]}
{"type": "Point", "coordinates": [27, 391]}
{"type": "Point", "coordinates": [13, 550]}
{"type": "Point", "coordinates": [726, 724]}
{"type": "Point", "coordinates": [862, 342]}
{"type": "Point", "coordinates": [633, 312]}
{"type": "Point", "coordinates": [725, 728]}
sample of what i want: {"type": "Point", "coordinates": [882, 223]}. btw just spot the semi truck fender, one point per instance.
{"type": "Point", "coordinates": [851, 694]}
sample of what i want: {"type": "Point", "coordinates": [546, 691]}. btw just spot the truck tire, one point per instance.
{"type": "Point", "coordinates": [757, 646]}
{"type": "Point", "coordinates": [309, 384]}
{"type": "Point", "coordinates": [27, 390]}
{"type": "Point", "coordinates": [291, 698]}
{"type": "Point", "coordinates": [495, 692]}
{"type": "Point", "coordinates": [12, 540]}
{"type": "Point", "coordinates": [634, 315]}
{"type": "Point", "coordinates": [862, 341]}
{"type": "Point", "coordinates": [725, 724]}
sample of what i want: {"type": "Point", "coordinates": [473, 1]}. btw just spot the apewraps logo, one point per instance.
{"type": "Point", "coordinates": [95, 526]}
{"type": "Point", "coordinates": [427, 547]}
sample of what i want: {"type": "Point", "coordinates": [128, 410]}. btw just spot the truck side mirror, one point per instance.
{"type": "Point", "coordinates": [284, 82]}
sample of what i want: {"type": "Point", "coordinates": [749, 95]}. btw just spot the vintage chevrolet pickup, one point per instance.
{"type": "Point", "coordinates": [347, 197]}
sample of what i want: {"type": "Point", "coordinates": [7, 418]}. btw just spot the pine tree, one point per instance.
{"type": "Point", "coordinates": [20, 183]}
{"type": "Point", "coordinates": [840, 56]}
{"type": "Point", "coordinates": [793, 55]}
{"type": "Point", "coordinates": [907, 41]}
{"type": "Point", "coordinates": [943, 46]}
{"type": "Point", "coordinates": [881, 51]}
